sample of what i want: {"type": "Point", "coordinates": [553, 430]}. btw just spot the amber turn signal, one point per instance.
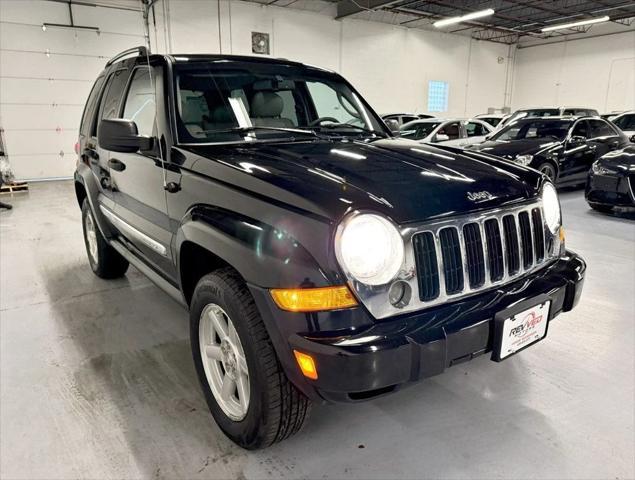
{"type": "Point", "coordinates": [561, 234]}
{"type": "Point", "coordinates": [306, 364]}
{"type": "Point", "coordinates": [313, 299]}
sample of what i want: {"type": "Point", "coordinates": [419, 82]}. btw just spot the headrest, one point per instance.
{"type": "Point", "coordinates": [193, 109]}
{"type": "Point", "coordinates": [222, 114]}
{"type": "Point", "coordinates": [266, 104]}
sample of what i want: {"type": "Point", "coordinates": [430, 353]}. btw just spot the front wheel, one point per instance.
{"type": "Point", "coordinates": [548, 170]}
{"type": "Point", "coordinates": [105, 261]}
{"type": "Point", "coordinates": [244, 384]}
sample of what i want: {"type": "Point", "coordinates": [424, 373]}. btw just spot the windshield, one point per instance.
{"type": "Point", "coordinates": [534, 129]}
{"type": "Point", "coordinates": [235, 101]}
{"type": "Point", "coordinates": [418, 130]}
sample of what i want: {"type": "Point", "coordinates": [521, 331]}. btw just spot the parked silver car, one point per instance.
{"type": "Point", "coordinates": [455, 131]}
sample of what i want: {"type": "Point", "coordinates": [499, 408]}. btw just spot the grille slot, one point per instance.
{"type": "Point", "coordinates": [474, 253]}
{"type": "Point", "coordinates": [512, 254]}
{"type": "Point", "coordinates": [452, 260]}
{"type": "Point", "coordinates": [526, 239]}
{"type": "Point", "coordinates": [427, 268]}
{"type": "Point", "coordinates": [494, 250]}
{"type": "Point", "coordinates": [539, 235]}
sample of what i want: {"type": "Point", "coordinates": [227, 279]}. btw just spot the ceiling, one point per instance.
{"type": "Point", "coordinates": [512, 22]}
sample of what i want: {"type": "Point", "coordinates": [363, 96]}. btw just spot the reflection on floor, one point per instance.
{"type": "Point", "coordinates": [97, 379]}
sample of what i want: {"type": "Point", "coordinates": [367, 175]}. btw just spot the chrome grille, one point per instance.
{"type": "Point", "coordinates": [473, 254]}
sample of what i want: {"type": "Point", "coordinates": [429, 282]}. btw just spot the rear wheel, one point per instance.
{"type": "Point", "coordinates": [601, 208]}
{"type": "Point", "coordinates": [105, 261]}
{"type": "Point", "coordinates": [548, 170]}
{"type": "Point", "coordinates": [244, 384]}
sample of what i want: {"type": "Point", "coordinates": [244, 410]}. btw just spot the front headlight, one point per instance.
{"type": "Point", "coordinates": [551, 207]}
{"type": "Point", "coordinates": [524, 160]}
{"type": "Point", "coordinates": [600, 170]}
{"type": "Point", "coordinates": [370, 248]}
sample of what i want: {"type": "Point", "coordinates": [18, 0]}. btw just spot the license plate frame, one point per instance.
{"type": "Point", "coordinates": [518, 328]}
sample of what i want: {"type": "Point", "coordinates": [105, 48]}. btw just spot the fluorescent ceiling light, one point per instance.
{"type": "Point", "coordinates": [463, 18]}
{"type": "Point", "coordinates": [577, 24]}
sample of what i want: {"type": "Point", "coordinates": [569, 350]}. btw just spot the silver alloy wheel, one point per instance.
{"type": "Point", "coordinates": [91, 237]}
{"type": "Point", "coordinates": [224, 362]}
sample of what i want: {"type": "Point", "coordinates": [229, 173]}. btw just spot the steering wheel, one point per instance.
{"type": "Point", "coordinates": [317, 121]}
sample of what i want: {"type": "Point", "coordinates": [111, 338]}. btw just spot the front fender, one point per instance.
{"type": "Point", "coordinates": [263, 254]}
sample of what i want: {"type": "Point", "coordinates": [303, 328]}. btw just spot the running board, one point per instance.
{"type": "Point", "coordinates": [157, 279]}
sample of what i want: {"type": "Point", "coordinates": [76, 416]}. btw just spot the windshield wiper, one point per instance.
{"type": "Point", "coordinates": [255, 128]}
{"type": "Point", "coordinates": [335, 126]}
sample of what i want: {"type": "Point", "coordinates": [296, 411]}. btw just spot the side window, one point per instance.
{"type": "Point", "coordinates": [474, 129]}
{"type": "Point", "coordinates": [89, 108]}
{"type": "Point", "coordinates": [140, 103]}
{"type": "Point", "coordinates": [581, 129]}
{"type": "Point", "coordinates": [600, 128]}
{"type": "Point", "coordinates": [109, 107]}
{"type": "Point", "coordinates": [627, 122]}
{"type": "Point", "coordinates": [452, 130]}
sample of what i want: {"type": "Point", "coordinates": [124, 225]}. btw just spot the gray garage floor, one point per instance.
{"type": "Point", "coordinates": [97, 379]}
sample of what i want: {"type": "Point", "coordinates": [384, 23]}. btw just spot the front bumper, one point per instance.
{"type": "Point", "coordinates": [615, 190]}
{"type": "Point", "coordinates": [364, 362]}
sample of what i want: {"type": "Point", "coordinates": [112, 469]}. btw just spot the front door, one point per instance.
{"type": "Point", "coordinates": [138, 178]}
{"type": "Point", "coordinates": [577, 155]}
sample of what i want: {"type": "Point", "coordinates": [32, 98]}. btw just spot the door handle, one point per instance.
{"type": "Point", "coordinates": [117, 165]}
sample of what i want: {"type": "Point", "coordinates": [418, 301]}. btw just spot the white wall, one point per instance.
{"type": "Point", "coordinates": [42, 97]}
{"type": "Point", "coordinates": [390, 65]}
{"type": "Point", "coordinates": [596, 72]}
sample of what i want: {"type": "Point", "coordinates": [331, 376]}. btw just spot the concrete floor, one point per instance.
{"type": "Point", "coordinates": [97, 379]}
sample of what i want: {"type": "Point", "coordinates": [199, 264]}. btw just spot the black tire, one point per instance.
{"type": "Point", "coordinates": [108, 263]}
{"type": "Point", "coordinates": [549, 170]}
{"type": "Point", "coordinates": [601, 208]}
{"type": "Point", "coordinates": [276, 408]}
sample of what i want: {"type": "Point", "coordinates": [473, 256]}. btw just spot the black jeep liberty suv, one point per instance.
{"type": "Point", "coordinates": [321, 258]}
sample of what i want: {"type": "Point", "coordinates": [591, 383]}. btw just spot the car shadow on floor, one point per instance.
{"type": "Point", "coordinates": [135, 385]}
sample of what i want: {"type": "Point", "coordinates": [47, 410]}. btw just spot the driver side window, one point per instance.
{"type": "Point", "coordinates": [140, 105]}
{"type": "Point", "coordinates": [452, 130]}
{"type": "Point", "coordinates": [581, 129]}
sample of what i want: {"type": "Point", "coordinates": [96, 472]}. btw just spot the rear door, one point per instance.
{"type": "Point", "coordinates": [138, 178]}
{"type": "Point", "coordinates": [475, 132]}
{"type": "Point", "coordinates": [98, 157]}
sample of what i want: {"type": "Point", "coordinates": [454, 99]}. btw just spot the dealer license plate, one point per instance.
{"type": "Point", "coordinates": [523, 329]}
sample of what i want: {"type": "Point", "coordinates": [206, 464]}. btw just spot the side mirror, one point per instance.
{"type": "Point", "coordinates": [393, 125]}
{"type": "Point", "coordinates": [632, 139]}
{"type": "Point", "coordinates": [440, 137]}
{"type": "Point", "coordinates": [577, 140]}
{"type": "Point", "coordinates": [121, 135]}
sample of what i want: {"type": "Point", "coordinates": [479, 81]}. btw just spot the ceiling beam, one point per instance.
{"type": "Point", "coordinates": [346, 8]}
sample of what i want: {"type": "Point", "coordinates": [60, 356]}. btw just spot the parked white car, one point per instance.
{"type": "Point", "coordinates": [626, 122]}
{"type": "Point", "coordinates": [496, 120]}
{"type": "Point", "coordinates": [455, 131]}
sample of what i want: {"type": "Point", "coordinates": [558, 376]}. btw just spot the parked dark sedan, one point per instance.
{"type": "Point", "coordinates": [562, 148]}
{"type": "Point", "coordinates": [611, 181]}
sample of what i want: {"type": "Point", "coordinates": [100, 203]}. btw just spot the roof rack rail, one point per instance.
{"type": "Point", "coordinates": [141, 51]}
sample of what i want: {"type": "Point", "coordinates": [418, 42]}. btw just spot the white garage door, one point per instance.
{"type": "Point", "coordinates": [46, 75]}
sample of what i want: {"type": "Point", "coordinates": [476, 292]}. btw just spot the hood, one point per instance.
{"type": "Point", "coordinates": [620, 161]}
{"type": "Point", "coordinates": [400, 178]}
{"type": "Point", "coordinates": [507, 149]}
